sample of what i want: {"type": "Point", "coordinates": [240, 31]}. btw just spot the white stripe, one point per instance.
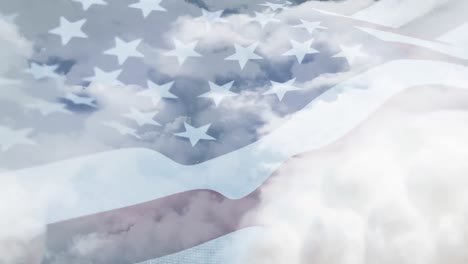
{"type": "Point", "coordinates": [343, 8]}
{"type": "Point", "coordinates": [459, 52]}
{"type": "Point", "coordinates": [457, 37]}
{"type": "Point", "coordinates": [131, 176]}
{"type": "Point", "coordinates": [396, 13]}
{"type": "Point", "coordinates": [439, 21]}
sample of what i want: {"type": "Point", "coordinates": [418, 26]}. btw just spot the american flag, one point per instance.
{"type": "Point", "coordinates": [146, 128]}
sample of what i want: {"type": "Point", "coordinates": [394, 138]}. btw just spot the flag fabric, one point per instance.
{"type": "Point", "coordinates": [149, 122]}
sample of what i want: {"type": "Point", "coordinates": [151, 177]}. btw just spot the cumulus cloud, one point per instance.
{"type": "Point", "coordinates": [15, 48]}
{"type": "Point", "coordinates": [394, 190]}
{"type": "Point", "coordinates": [24, 204]}
{"type": "Point", "coordinates": [20, 220]}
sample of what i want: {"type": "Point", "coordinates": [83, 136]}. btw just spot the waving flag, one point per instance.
{"type": "Point", "coordinates": [143, 129]}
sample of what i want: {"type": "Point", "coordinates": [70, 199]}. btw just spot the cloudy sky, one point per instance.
{"type": "Point", "coordinates": [365, 151]}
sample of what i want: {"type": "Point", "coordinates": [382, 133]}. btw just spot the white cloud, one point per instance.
{"type": "Point", "coordinates": [394, 191]}
{"type": "Point", "coordinates": [14, 49]}
{"type": "Point", "coordinates": [20, 219]}
{"type": "Point", "coordinates": [23, 209]}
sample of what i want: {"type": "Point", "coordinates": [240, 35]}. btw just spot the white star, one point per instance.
{"type": "Point", "coordinates": [80, 100]}
{"type": "Point", "coordinates": [10, 138]}
{"type": "Point", "coordinates": [155, 91]}
{"type": "Point", "coordinates": [211, 18]}
{"type": "Point", "coordinates": [350, 53]}
{"type": "Point", "coordinates": [105, 78]}
{"type": "Point", "coordinates": [183, 51]}
{"type": "Point", "coordinates": [218, 93]}
{"type": "Point", "coordinates": [148, 6]}
{"type": "Point", "coordinates": [264, 19]}
{"type": "Point", "coordinates": [273, 6]}
{"type": "Point", "coordinates": [195, 134]}
{"type": "Point", "coordinates": [123, 50]}
{"type": "Point", "coordinates": [122, 129]}
{"type": "Point", "coordinates": [142, 118]}
{"type": "Point", "coordinates": [87, 3]}
{"type": "Point", "coordinates": [300, 49]}
{"type": "Point", "coordinates": [68, 30]}
{"type": "Point", "coordinates": [47, 108]}
{"type": "Point", "coordinates": [280, 89]}
{"type": "Point", "coordinates": [43, 71]}
{"type": "Point", "coordinates": [309, 26]}
{"type": "Point", "coordinates": [244, 54]}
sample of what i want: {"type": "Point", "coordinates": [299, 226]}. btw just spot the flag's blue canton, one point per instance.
{"type": "Point", "coordinates": [119, 43]}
